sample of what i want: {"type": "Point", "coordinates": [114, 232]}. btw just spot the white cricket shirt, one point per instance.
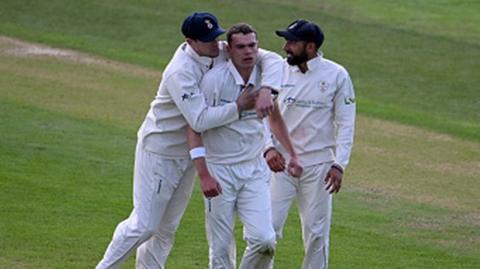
{"type": "Point", "coordinates": [179, 101]}
{"type": "Point", "coordinates": [318, 107]}
{"type": "Point", "coordinates": [238, 141]}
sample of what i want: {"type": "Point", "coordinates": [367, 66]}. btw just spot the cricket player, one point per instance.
{"type": "Point", "coordinates": [163, 171]}
{"type": "Point", "coordinates": [234, 159]}
{"type": "Point", "coordinates": [317, 102]}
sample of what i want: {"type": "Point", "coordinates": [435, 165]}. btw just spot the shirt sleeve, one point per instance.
{"type": "Point", "coordinates": [209, 89]}
{"type": "Point", "coordinates": [345, 109]}
{"type": "Point", "coordinates": [271, 66]}
{"type": "Point", "coordinates": [269, 138]}
{"type": "Point", "coordinates": [185, 92]}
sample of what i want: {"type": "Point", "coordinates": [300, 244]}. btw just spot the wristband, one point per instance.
{"type": "Point", "coordinates": [197, 152]}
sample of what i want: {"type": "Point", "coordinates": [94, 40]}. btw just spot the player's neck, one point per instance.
{"type": "Point", "coordinates": [303, 67]}
{"type": "Point", "coordinates": [245, 73]}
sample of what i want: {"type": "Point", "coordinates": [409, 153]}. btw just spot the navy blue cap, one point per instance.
{"type": "Point", "coordinates": [302, 30]}
{"type": "Point", "coordinates": [202, 26]}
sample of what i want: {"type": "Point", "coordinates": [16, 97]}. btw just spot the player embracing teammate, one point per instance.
{"type": "Point", "coordinates": [226, 98]}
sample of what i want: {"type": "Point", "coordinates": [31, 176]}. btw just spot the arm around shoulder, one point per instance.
{"type": "Point", "coordinates": [271, 64]}
{"type": "Point", "coordinates": [185, 91]}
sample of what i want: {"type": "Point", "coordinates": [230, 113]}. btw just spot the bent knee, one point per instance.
{"type": "Point", "coordinates": [264, 245]}
{"type": "Point", "coordinates": [140, 231]}
{"type": "Point", "coordinates": [268, 242]}
{"type": "Point", "coordinates": [318, 241]}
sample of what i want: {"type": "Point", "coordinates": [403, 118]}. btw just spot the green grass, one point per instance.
{"type": "Point", "coordinates": [412, 62]}
{"type": "Point", "coordinates": [452, 19]}
{"type": "Point", "coordinates": [56, 171]}
{"type": "Point", "coordinates": [68, 134]}
{"type": "Point", "coordinates": [68, 129]}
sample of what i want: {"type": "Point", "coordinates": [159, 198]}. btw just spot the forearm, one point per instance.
{"type": "Point", "coordinates": [212, 117]}
{"type": "Point", "coordinates": [345, 122]}
{"type": "Point", "coordinates": [209, 185]}
{"type": "Point", "coordinates": [343, 149]}
{"type": "Point", "coordinates": [183, 88]}
{"type": "Point", "coordinates": [194, 140]}
{"type": "Point", "coordinates": [280, 131]}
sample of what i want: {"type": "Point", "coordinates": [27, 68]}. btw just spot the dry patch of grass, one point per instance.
{"type": "Point", "coordinates": [406, 171]}
{"type": "Point", "coordinates": [21, 49]}
{"type": "Point", "coordinates": [74, 83]}
{"type": "Point", "coordinates": [415, 164]}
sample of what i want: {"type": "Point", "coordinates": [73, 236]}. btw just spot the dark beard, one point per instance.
{"type": "Point", "coordinates": [297, 59]}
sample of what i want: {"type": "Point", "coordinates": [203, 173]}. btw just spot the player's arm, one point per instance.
{"type": "Point", "coordinates": [280, 131]}
{"type": "Point", "coordinates": [185, 91]}
{"type": "Point", "coordinates": [344, 109]}
{"type": "Point", "coordinates": [275, 160]}
{"type": "Point", "coordinates": [209, 185]}
{"type": "Point", "coordinates": [270, 63]}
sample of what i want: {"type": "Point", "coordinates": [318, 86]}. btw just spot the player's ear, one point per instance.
{"type": "Point", "coordinates": [311, 48]}
{"type": "Point", "coordinates": [189, 41]}
{"type": "Point", "coordinates": [229, 49]}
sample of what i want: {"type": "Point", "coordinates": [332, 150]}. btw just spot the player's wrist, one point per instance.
{"type": "Point", "coordinates": [270, 91]}
{"type": "Point", "coordinates": [267, 151]}
{"type": "Point", "coordinates": [197, 152]}
{"type": "Point", "coordinates": [338, 167]}
{"type": "Point", "coordinates": [239, 106]}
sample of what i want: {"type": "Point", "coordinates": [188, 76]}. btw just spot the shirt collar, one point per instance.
{"type": "Point", "coordinates": [238, 78]}
{"type": "Point", "coordinates": [312, 64]}
{"type": "Point", "coordinates": [203, 60]}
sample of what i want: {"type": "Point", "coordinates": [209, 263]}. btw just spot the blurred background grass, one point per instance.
{"type": "Point", "coordinates": [68, 129]}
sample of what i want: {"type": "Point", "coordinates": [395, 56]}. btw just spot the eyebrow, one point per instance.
{"type": "Point", "coordinates": [250, 45]}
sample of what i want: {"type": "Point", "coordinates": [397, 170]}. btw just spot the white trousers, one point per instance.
{"type": "Point", "coordinates": [245, 192]}
{"type": "Point", "coordinates": [315, 209]}
{"type": "Point", "coordinates": [161, 190]}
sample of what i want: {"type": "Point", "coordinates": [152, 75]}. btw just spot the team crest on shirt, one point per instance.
{"type": "Point", "coordinates": [323, 86]}
{"type": "Point", "coordinates": [187, 96]}
{"type": "Point", "coordinates": [289, 100]}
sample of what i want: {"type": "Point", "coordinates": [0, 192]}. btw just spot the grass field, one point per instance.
{"type": "Point", "coordinates": [68, 127]}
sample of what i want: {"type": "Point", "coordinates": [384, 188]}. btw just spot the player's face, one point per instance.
{"type": "Point", "coordinates": [207, 49]}
{"type": "Point", "coordinates": [243, 50]}
{"type": "Point", "coordinates": [296, 52]}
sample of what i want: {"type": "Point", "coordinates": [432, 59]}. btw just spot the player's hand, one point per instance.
{"type": "Point", "coordinates": [210, 186]}
{"type": "Point", "coordinates": [295, 169]}
{"type": "Point", "coordinates": [333, 180]}
{"type": "Point", "coordinates": [275, 160]}
{"type": "Point", "coordinates": [264, 104]}
{"type": "Point", "coordinates": [247, 99]}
